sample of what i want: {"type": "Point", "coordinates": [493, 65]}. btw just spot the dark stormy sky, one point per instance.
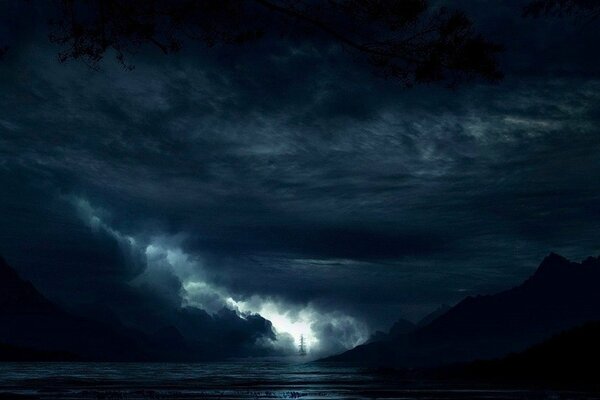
{"type": "Point", "coordinates": [284, 178]}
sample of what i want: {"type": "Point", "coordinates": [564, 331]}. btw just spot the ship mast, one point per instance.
{"type": "Point", "coordinates": [302, 346]}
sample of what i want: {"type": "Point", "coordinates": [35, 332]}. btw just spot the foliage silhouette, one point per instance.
{"type": "Point", "coordinates": [404, 40]}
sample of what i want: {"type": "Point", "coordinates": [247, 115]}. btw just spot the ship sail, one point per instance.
{"type": "Point", "coordinates": [302, 346]}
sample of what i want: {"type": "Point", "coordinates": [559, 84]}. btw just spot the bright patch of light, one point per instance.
{"type": "Point", "coordinates": [163, 254]}
{"type": "Point", "coordinates": [91, 216]}
{"type": "Point", "coordinates": [296, 324]}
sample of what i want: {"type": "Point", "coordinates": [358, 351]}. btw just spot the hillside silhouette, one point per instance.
{"type": "Point", "coordinates": [30, 321]}
{"type": "Point", "coordinates": [32, 327]}
{"type": "Point", "coordinates": [566, 359]}
{"type": "Point", "coordinates": [560, 295]}
{"type": "Point", "coordinates": [16, 353]}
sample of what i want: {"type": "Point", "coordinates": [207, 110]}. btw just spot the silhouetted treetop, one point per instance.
{"type": "Point", "coordinates": [405, 40]}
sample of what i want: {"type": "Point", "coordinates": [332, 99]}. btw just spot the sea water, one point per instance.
{"type": "Point", "coordinates": [236, 380]}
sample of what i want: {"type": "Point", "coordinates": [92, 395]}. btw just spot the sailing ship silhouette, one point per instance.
{"type": "Point", "coordinates": [302, 346]}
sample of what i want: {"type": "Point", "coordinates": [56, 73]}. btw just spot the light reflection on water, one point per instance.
{"type": "Point", "coordinates": [230, 380]}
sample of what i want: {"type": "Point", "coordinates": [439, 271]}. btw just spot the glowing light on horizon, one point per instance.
{"type": "Point", "coordinates": [164, 253]}
{"type": "Point", "coordinates": [296, 324]}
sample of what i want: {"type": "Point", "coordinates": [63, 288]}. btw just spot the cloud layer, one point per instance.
{"type": "Point", "coordinates": [283, 179]}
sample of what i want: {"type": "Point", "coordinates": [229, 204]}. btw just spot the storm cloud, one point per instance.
{"type": "Point", "coordinates": [283, 181]}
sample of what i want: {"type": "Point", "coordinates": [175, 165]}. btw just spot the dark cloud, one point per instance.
{"type": "Point", "coordinates": [283, 175]}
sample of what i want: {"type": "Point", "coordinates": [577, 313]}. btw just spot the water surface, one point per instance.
{"type": "Point", "coordinates": [235, 380]}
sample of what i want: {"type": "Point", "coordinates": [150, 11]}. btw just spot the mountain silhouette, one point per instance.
{"type": "Point", "coordinates": [438, 312]}
{"type": "Point", "coordinates": [399, 328]}
{"type": "Point", "coordinates": [32, 326]}
{"type": "Point", "coordinates": [18, 296]}
{"type": "Point", "coordinates": [565, 359]}
{"type": "Point", "coordinates": [560, 295]}
{"type": "Point", "coordinates": [16, 353]}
